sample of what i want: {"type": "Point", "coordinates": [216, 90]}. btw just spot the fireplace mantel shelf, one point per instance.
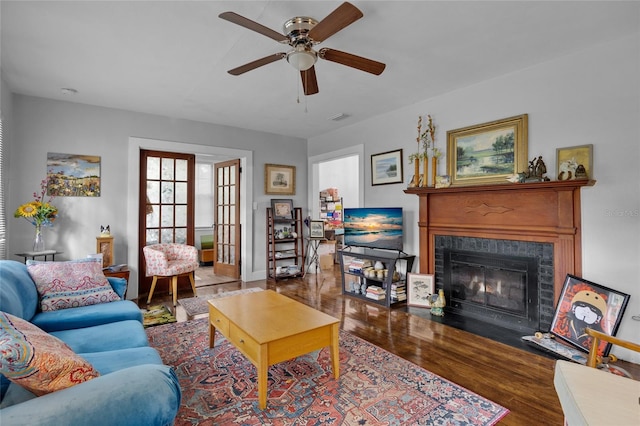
{"type": "Point", "coordinates": [541, 211]}
{"type": "Point", "coordinates": [557, 184]}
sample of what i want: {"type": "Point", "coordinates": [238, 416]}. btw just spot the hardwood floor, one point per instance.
{"type": "Point", "coordinates": [518, 380]}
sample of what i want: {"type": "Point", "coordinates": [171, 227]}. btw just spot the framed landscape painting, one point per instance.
{"type": "Point", "coordinates": [386, 168]}
{"type": "Point", "coordinates": [73, 175]}
{"type": "Point", "coordinates": [487, 153]}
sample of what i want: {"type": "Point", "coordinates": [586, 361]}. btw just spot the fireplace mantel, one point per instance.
{"type": "Point", "coordinates": [543, 212]}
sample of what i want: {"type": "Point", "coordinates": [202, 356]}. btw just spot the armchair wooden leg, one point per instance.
{"type": "Point", "coordinates": [193, 283]}
{"type": "Point", "coordinates": [174, 285]}
{"type": "Point", "coordinates": [153, 287]}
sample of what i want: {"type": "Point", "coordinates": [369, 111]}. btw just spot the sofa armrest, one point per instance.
{"type": "Point", "coordinates": [148, 394]}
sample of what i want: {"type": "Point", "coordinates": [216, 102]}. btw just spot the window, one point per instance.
{"type": "Point", "coordinates": [204, 195]}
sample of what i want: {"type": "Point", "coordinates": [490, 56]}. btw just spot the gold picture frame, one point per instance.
{"type": "Point", "coordinates": [569, 160]}
{"type": "Point", "coordinates": [487, 153]}
{"type": "Point", "coordinates": [279, 179]}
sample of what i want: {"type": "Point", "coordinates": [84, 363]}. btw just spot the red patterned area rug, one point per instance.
{"type": "Point", "coordinates": [375, 387]}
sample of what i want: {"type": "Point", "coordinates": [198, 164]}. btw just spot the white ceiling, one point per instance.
{"type": "Point", "coordinates": [170, 58]}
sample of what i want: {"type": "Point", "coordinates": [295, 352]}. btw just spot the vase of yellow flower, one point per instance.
{"type": "Point", "coordinates": [39, 213]}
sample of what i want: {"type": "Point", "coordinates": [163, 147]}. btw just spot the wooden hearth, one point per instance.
{"type": "Point", "coordinates": [546, 212]}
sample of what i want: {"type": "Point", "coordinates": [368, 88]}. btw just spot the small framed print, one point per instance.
{"type": "Point", "coordinates": [575, 162]}
{"type": "Point", "coordinates": [420, 287]}
{"type": "Point", "coordinates": [386, 168]}
{"type": "Point", "coordinates": [279, 179]}
{"type": "Point", "coordinates": [316, 229]}
{"type": "Point", "coordinates": [584, 304]}
{"type": "Point", "coordinates": [282, 209]}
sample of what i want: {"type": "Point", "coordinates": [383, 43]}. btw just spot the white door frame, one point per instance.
{"type": "Point", "coordinates": [133, 194]}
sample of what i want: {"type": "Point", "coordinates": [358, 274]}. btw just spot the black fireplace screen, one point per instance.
{"type": "Point", "coordinates": [495, 288]}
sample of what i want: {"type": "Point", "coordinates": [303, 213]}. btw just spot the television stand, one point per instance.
{"type": "Point", "coordinates": [361, 280]}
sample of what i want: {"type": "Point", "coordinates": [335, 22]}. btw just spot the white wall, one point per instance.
{"type": "Point", "coordinates": [44, 125]}
{"type": "Point", "coordinates": [589, 97]}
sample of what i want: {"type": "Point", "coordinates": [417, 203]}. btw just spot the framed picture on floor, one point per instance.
{"type": "Point", "coordinates": [583, 305]}
{"type": "Point", "coordinates": [420, 287]}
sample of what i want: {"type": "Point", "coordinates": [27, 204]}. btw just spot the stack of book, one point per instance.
{"type": "Point", "coordinates": [398, 292]}
{"type": "Point", "coordinates": [356, 265]}
{"type": "Point", "coordinates": [375, 292]}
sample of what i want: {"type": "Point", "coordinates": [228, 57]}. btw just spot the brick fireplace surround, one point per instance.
{"type": "Point", "coordinates": [542, 212]}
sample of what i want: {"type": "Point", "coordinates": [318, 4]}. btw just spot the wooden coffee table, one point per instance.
{"type": "Point", "coordinates": [269, 328]}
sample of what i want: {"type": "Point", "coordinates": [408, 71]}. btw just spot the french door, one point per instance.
{"type": "Point", "coordinates": [167, 194]}
{"type": "Point", "coordinates": [226, 235]}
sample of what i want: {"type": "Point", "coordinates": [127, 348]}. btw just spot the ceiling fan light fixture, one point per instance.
{"type": "Point", "coordinates": [302, 58]}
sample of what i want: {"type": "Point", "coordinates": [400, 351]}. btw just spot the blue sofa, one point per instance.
{"type": "Point", "coordinates": [134, 387]}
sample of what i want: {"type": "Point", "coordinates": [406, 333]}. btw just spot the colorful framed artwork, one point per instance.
{"type": "Point", "coordinates": [282, 209]}
{"type": "Point", "coordinates": [316, 229]}
{"type": "Point", "coordinates": [575, 162]}
{"type": "Point", "coordinates": [583, 305]}
{"type": "Point", "coordinates": [73, 175]}
{"type": "Point", "coordinates": [420, 287]}
{"type": "Point", "coordinates": [386, 168]}
{"type": "Point", "coordinates": [487, 153]}
{"type": "Point", "coordinates": [279, 179]}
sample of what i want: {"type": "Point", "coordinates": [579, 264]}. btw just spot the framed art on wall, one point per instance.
{"type": "Point", "coordinates": [73, 175]}
{"type": "Point", "coordinates": [420, 287]}
{"type": "Point", "coordinates": [386, 168]}
{"type": "Point", "coordinates": [279, 179]}
{"type": "Point", "coordinates": [487, 153]}
{"type": "Point", "coordinates": [585, 304]}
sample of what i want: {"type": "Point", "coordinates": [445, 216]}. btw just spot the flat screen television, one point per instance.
{"type": "Point", "coordinates": [373, 227]}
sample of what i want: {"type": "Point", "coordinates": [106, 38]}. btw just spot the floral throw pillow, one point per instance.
{"type": "Point", "coordinates": [63, 285]}
{"type": "Point", "coordinates": [37, 361]}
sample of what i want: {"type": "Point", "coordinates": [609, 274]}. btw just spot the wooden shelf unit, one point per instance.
{"type": "Point", "coordinates": [394, 262]}
{"type": "Point", "coordinates": [285, 252]}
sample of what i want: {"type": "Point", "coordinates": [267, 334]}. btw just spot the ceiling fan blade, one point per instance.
{"type": "Point", "coordinates": [252, 25]}
{"type": "Point", "coordinates": [353, 61]}
{"type": "Point", "coordinates": [309, 81]}
{"type": "Point", "coordinates": [257, 63]}
{"type": "Point", "coordinates": [344, 15]}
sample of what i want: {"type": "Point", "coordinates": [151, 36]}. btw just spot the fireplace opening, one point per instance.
{"type": "Point", "coordinates": [495, 288]}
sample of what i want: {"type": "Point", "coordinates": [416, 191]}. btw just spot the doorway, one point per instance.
{"type": "Point", "coordinates": [329, 170]}
{"type": "Point", "coordinates": [133, 195]}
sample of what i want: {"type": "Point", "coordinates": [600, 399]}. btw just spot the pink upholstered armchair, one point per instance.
{"type": "Point", "coordinates": [170, 260]}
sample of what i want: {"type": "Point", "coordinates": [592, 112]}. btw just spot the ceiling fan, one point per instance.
{"type": "Point", "coordinates": [302, 33]}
